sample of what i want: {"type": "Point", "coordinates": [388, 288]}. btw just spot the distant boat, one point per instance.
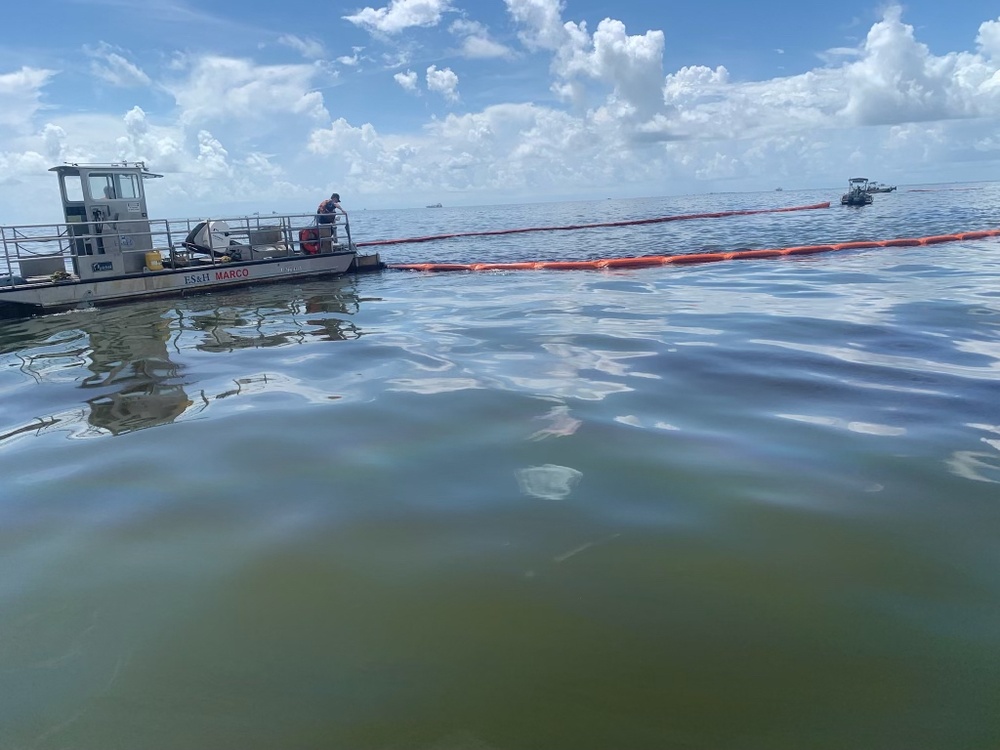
{"type": "Point", "coordinates": [875, 187]}
{"type": "Point", "coordinates": [857, 193]}
{"type": "Point", "coordinates": [435, 205]}
{"type": "Point", "coordinates": [778, 189]}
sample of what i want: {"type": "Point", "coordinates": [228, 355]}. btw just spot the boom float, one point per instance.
{"type": "Point", "coordinates": [646, 261]}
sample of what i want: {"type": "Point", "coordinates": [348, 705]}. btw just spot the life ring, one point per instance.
{"type": "Point", "coordinates": [309, 240]}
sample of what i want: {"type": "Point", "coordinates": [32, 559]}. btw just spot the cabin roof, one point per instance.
{"type": "Point", "coordinates": [74, 169]}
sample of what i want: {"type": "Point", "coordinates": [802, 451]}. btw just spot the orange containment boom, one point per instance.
{"type": "Point", "coordinates": [646, 261]}
{"type": "Point", "coordinates": [622, 223]}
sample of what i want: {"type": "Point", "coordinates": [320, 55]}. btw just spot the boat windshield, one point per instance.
{"type": "Point", "coordinates": [114, 185]}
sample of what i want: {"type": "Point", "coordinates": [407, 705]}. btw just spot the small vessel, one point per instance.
{"type": "Point", "coordinates": [875, 187]}
{"type": "Point", "coordinates": [434, 205]}
{"type": "Point", "coordinates": [108, 250]}
{"type": "Point", "coordinates": [857, 193]}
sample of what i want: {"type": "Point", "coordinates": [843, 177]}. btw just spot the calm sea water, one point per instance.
{"type": "Point", "coordinates": [743, 505]}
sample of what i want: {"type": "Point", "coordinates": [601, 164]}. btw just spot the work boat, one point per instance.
{"type": "Point", "coordinates": [857, 193]}
{"type": "Point", "coordinates": [109, 250]}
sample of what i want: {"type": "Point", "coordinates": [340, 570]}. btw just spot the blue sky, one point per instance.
{"type": "Point", "coordinates": [270, 106]}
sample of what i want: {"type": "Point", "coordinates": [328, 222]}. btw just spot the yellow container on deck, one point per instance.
{"type": "Point", "coordinates": [154, 261]}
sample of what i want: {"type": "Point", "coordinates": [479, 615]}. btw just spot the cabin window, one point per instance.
{"type": "Point", "coordinates": [102, 186]}
{"type": "Point", "coordinates": [128, 186]}
{"type": "Point", "coordinates": [73, 186]}
{"type": "Point", "coordinates": [111, 186]}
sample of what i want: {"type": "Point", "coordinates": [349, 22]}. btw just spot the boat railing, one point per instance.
{"type": "Point", "coordinates": [50, 250]}
{"type": "Point", "coordinates": [38, 246]}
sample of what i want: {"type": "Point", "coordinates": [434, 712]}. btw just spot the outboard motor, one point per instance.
{"type": "Point", "coordinates": [212, 238]}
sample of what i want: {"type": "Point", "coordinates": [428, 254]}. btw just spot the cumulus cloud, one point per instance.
{"type": "Point", "coordinates": [696, 122]}
{"type": "Point", "coordinates": [222, 88]}
{"type": "Point", "coordinates": [890, 79]}
{"type": "Point", "coordinates": [407, 80]}
{"type": "Point", "coordinates": [896, 79]}
{"type": "Point", "coordinates": [631, 65]}
{"type": "Point", "coordinates": [702, 102]}
{"type": "Point", "coordinates": [444, 82]}
{"type": "Point", "coordinates": [54, 138]}
{"type": "Point", "coordinates": [988, 39]}
{"type": "Point", "coordinates": [159, 146]}
{"type": "Point", "coordinates": [371, 162]}
{"type": "Point", "coordinates": [400, 15]}
{"type": "Point", "coordinates": [510, 148]}
{"type": "Point", "coordinates": [540, 21]}
{"type": "Point", "coordinates": [690, 82]}
{"type": "Point", "coordinates": [212, 157]}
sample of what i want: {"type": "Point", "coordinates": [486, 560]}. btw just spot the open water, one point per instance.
{"type": "Point", "coordinates": [750, 504]}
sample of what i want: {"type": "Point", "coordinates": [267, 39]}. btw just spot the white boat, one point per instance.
{"type": "Point", "coordinates": [875, 187]}
{"type": "Point", "coordinates": [108, 250]}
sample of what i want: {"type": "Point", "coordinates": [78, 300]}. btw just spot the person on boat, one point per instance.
{"type": "Point", "coordinates": [326, 213]}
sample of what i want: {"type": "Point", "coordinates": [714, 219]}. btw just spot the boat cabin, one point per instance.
{"type": "Point", "coordinates": [105, 210]}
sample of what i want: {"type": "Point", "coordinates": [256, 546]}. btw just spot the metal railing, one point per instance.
{"type": "Point", "coordinates": [268, 235]}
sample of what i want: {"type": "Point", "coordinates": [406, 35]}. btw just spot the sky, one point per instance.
{"type": "Point", "coordinates": [271, 106]}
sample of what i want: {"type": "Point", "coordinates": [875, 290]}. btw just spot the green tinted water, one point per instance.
{"type": "Point", "coordinates": [743, 506]}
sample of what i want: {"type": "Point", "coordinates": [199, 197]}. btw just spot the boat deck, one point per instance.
{"type": "Point", "coordinates": [52, 253]}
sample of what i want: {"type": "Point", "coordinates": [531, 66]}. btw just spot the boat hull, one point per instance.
{"type": "Point", "coordinates": [862, 199]}
{"type": "Point", "coordinates": [55, 296]}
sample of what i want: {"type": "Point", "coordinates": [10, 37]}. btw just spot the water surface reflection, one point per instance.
{"type": "Point", "coordinates": [131, 361]}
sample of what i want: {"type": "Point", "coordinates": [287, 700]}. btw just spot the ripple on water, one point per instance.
{"type": "Point", "coordinates": [520, 509]}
